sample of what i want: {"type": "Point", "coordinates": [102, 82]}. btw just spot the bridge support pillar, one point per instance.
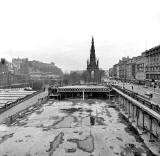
{"type": "Point", "coordinates": [143, 120]}
{"type": "Point", "coordinates": [117, 98]}
{"type": "Point", "coordinates": [123, 103]}
{"type": "Point", "coordinates": [109, 96]}
{"type": "Point", "coordinates": [129, 109]}
{"type": "Point", "coordinates": [83, 95]}
{"type": "Point", "coordinates": [133, 113]}
{"type": "Point", "coordinates": [150, 127]}
{"type": "Point", "coordinates": [137, 114]}
{"type": "Point", "coordinates": [126, 105]}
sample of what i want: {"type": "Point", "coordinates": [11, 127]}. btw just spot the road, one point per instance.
{"type": "Point", "coordinates": [63, 128]}
{"type": "Point", "coordinates": [143, 91]}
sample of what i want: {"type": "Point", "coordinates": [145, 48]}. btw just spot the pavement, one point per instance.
{"type": "Point", "coordinates": [63, 128]}
{"type": "Point", "coordinates": [142, 90]}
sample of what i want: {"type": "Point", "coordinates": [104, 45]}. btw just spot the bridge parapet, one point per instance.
{"type": "Point", "coordinates": [72, 89]}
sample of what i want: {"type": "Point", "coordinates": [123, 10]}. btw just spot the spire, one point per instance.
{"type": "Point", "coordinates": [92, 54]}
{"type": "Point", "coordinates": [92, 48]}
{"type": "Point", "coordinates": [92, 40]}
{"type": "Point", "coordinates": [87, 62]}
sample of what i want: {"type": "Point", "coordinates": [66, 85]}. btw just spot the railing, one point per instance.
{"type": "Point", "coordinates": [142, 99]}
{"type": "Point", "coordinates": [107, 89]}
{"type": "Point", "coordinates": [18, 101]}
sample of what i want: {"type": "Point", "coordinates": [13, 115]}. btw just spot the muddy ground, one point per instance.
{"type": "Point", "coordinates": [64, 128]}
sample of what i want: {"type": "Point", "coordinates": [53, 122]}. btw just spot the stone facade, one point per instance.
{"type": "Point", "coordinates": [140, 68]}
{"type": "Point", "coordinates": [130, 70]}
{"type": "Point", "coordinates": [123, 64]}
{"type": "Point", "coordinates": [21, 66]}
{"type": "Point", "coordinates": [153, 63]}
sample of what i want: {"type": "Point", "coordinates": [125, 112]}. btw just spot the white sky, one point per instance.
{"type": "Point", "coordinates": [61, 30]}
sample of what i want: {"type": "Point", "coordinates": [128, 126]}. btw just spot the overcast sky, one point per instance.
{"type": "Point", "coordinates": [60, 31]}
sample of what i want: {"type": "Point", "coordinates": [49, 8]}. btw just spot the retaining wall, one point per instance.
{"type": "Point", "coordinates": [140, 115]}
{"type": "Point", "coordinates": [33, 100]}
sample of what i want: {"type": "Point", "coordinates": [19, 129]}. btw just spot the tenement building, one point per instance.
{"type": "Point", "coordinates": [140, 73]}
{"type": "Point", "coordinates": [93, 71]}
{"type": "Point", "coordinates": [123, 64]}
{"type": "Point", "coordinates": [143, 69]}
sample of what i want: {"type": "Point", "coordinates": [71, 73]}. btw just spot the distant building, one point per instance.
{"type": "Point", "coordinates": [77, 71]}
{"type": "Point", "coordinates": [106, 73]}
{"type": "Point", "coordinates": [94, 73]}
{"type": "Point", "coordinates": [3, 66]}
{"type": "Point", "coordinates": [116, 71]}
{"type": "Point", "coordinates": [42, 75]}
{"type": "Point", "coordinates": [153, 63]}
{"type": "Point", "coordinates": [123, 68]}
{"type": "Point", "coordinates": [140, 73]}
{"type": "Point", "coordinates": [130, 70]}
{"type": "Point", "coordinates": [144, 69]}
{"type": "Point", "coordinates": [111, 72]}
{"type": "Point", "coordinates": [10, 67]}
{"type": "Point", "coordinates": [21, 66]}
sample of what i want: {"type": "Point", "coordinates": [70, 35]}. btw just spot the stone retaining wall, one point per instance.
{"type": "Point", "coordinates": [139, 117]}
{"type": "Point", "coordinates": [33, 100]}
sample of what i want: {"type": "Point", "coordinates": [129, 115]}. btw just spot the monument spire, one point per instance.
{"type": "Point", "coordinates": [92, 53]}
{"type": "Point", "coordinates": [93, 66]}
{"type": "Point", "coordinates": [92, 40]}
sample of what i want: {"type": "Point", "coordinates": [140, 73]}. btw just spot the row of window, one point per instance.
{"type": "Point", "coordinates": [157, 68]}
{"type": "Point", "coordinates": [154, 59]}
{"type": "Point", "coordinates": [140, 67]}
{"type": "Point", "coordinates": [153, 76]}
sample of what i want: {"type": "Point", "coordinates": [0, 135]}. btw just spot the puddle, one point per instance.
{"type": "Point", "coordinates": [65, 122]}
{"type": "Point", "coordinates": [86, 145]}
{"type": "Point", "coordinates": [55, 143]}
{"type": "Point", "coordinates": [71, 110]}
{"type": "Point", "coordinates": [6, 137]}
{"type": "Point", "coordinates": [119, 138]}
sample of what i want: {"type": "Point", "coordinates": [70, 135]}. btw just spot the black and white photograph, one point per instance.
{"type": "Point", "coordinates": [79, 78]}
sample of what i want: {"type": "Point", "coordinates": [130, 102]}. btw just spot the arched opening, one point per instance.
{"type": "Point", "coordinates": [92, 75]}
